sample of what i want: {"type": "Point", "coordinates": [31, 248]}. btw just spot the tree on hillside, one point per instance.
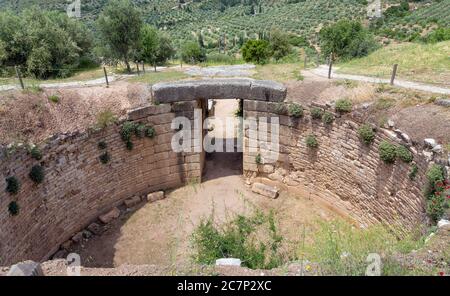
{"type": "Point", "coordinates": [166, 50]}
{"type": "Point", "coordinates": [120, 26]}
{"type": "Point", "coordinates": [191, 52]}
{"type": "Point", "coordinates": [149, 46]}
{"type": "Point", "coordinates": [346, 39]}
{"type": "Point", "coordinates": [48, 44]}
{"type": "Point", "coordinates": [256, 51]}
{"type": "Point", "coordinates": [279, 44]}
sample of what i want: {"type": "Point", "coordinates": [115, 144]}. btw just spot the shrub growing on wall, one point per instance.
{"type": "Point", "coordinates": [387, 151]}
{"type": "Point", "coordinates": [258, 159]}
{"type": "Point", "coordinates": [311, 141]}
{"type": "Point", "coordinates": [344, 106]}
{"type": "Point", "coordinates": [316, 113]}
{"type": "Point", "coordinates": [12, 185]}
{"type": "Point", "coordinates": [435, 192]}
{"type": "Point", "coordinates": [13, 208]}
{"type": "Point", "coordinates": [328, 118]}
{"type": "Point", "coordinates": [404, 154]}
{"type": "Point", "coordinates": [37, 174]}
{"type": "Point", "coordinates": [36, 153]}
{"type": "Point", "coordinates": [413, 172]}
{"type": "Point", "coordinates": [366, 134]}
{"type": "Point", "coordinates": [102, 145]}
{"type": "Point", "coordinates": [105, 158]}
{"type": "Point", "coordinates": [140, 130]}
{"type": "Point", "coordinates": [296, 110]}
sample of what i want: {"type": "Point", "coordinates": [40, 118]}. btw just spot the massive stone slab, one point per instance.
{"type": "Point", "coordinates": [232, 88]}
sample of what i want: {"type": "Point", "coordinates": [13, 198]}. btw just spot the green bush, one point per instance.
{"type": "Point", "coordinates": [296, 110]}
{"type": "Point", "coordinates": [435, 174]}
{"type": "Point", "coordinates": [256, 51]}
{"type": "Point", "coordinates": [191, 52]}
{"type": "Point", "coordinates": [436, 207]}
{"type": "Point", "coordinates": [37, 174]}
{"type": "Point", "coordinates": [13, 208]}
{"type": "Point", "coordinates": [258, 159]}
{"type": "Point", "coordinates": [102, 145]}
{"type": "Point", "coordinates": [387, 151]}
{"type": "Point", "coordinates": [328, 118]}
{"type": "Point", "coordinates": [311, 141]}
{"type": "Point", "coordinates": [150, 132]}
{"type": "Point", "coordinates": [237, 239]}
{"type": "Point", "coordinates": [413, 172]}
{"type": "Point", "coordinates": [316, 113]}
{"type": "Point", "coordinates": [36, 153]}
{"type": "Point", "coordinates": [140, 130]}
{"type": "Point", "coordinates": [12, 185]}
{"type": "Point", "coordinates": [404, 154]}
{"type": "Point", "coordinates": [53, 98]}
{"type": "Point", "coordinates": [344, 106]}
{"type": "Point", "coordinates": [127, 131]}
{"type": "Point", "coordinates": [105, 158]}
{"type": "Point", "coordinates": [366, 134]}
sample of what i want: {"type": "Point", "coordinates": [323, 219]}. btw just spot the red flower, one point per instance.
{"type": "Point", "coordinates": [441, 273]}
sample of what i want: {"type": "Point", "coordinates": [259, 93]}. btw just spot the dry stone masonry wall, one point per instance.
{"type": "Point", "coordinates": [342, 171]}
{"type": "Point", "coordinates": [77, 187]}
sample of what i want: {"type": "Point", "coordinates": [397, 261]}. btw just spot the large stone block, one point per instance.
{"type": "Point", "coordinates": [26, 268]}
{"type": "Point", "coordinates": [265, 190]}
{"type": "Point", "coordinates": [111, 215]}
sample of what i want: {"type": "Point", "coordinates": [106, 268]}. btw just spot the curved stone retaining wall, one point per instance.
{"type": "Point", "coordinates": [77, 187]}
{"type": "Point", "coordinates": [342, 171]}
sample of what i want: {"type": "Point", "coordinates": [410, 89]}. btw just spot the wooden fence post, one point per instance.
{"type": "Point", "coordinates": [106, 77]}
{"type": "Point", "coordinates": [331, 66]}
{"type": "Point", "coordinates": [19, 77]}
{"type": "Point", "coordinates": [394, 73]}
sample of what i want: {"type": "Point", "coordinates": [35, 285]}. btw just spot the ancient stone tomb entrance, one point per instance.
{"type": "Point", "coordinates": [221, 102]}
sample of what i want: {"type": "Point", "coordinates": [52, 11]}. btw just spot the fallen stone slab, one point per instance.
{"type": "Point", "coordinates": [442, 102]}
{"type": "Point", "coordinates": [228, 262]}
{"type": "Point", "coordinates": [131, 202]}
{"type": "Point", "coordinates": [265, 190]}
{"type": "Point", "coordinates": [26, 268]}
{"type": "Point", "coordinates": [430, 143]}
{"type": "Point", "coordinates": [111, 215]}
{"type": "Point", "coordinates": [78, 237]}
{"type": "Point", "coordinates": [444, 224]}
{"type": "Point", "coordinates": [94, 228]}
{"type": "Point", "coordinates": [155, 196]}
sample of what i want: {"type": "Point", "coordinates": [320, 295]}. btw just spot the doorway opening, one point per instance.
{"type": "Point", "coordinates": [224, 122]}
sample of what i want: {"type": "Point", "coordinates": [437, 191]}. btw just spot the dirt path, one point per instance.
{"type": "Point", "coordinates": [323, 72]}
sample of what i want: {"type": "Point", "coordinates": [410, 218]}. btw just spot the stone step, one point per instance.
{"type": "Point", "coordinates": [265, 190]}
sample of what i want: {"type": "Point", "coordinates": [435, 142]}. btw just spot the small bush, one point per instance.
{"type": "Point", "coordinates": [296, 110]}
{"type": "Point", "coordinates": [413, 172]}
{"type": "Point", "coordinates": [140, 130]}
{"type": "Point", "coordinates": [104, 158]}
{"type": "Point", "coordinates": [36, 153]}
{"type": "Point", "coordinates": [129, 145]}
{"type": "Point", "coordinates": [37, 174]}
{"type": "Point", "coordinates": [311, 141]}
{"type": "Point", "coordinates": [53, 99]}
{"type": "Point", "coordinates": [316, 113]}
{"type": "Point", "coordinates": [366, 134]}
{"type": "Point", "coordinates": [404, 154]}
{"type": "Point", "coordinates": [387, 151]}
{"type": "Point", "coordinates": [436, 207]}
{"type": "Point", "coordinates": [258, 159]}
{"type": "Point", "coordinates": [150, 132]}
{"type": "Point", "coordinates": [343, 105]}
{"type": "Point", "coordinates": [127, 131]}
{"type": "Point", "coordinates": [13, 208]}
{"type": "Point", "coordinates": [435, 174]}
{"type": "Point", "coordinates": [328, 118]}
{"type": "Point", "coordinates": [12, 185]}
{"type": "Point", "coordinates": [105, 118]}
{"type": "Point", "coordinates": [102, 145]}
{"type": "Point", "coordinates": [237, 239]}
